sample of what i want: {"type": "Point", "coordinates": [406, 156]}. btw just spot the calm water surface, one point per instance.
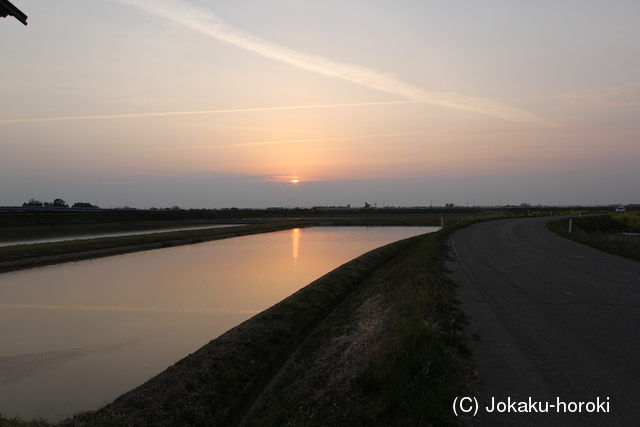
{"type": "Point", "coordinates": [74, 336]}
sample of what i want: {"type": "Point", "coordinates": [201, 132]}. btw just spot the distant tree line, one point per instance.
{"type": "Point", "coordinates": [57, 203]}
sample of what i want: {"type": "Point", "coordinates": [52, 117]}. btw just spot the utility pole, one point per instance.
{"type": "Point", "coordinates": [8, 9]}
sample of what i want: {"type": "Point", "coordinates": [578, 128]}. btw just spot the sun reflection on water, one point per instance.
{"type": "Point", "coordinates": [295, 244]}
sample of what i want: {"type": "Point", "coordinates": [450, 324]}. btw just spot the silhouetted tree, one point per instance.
{"type": "Point", "coordinates": [58, 203]}
{"type": "Point", "coordinates": [32, 202]}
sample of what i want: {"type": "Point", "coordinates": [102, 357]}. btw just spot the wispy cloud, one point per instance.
{"type": "Point", "coordinates": [206, 22]}
{"type": "Point", "coordinates": [320, 149]}
{"type": "Point", "coordinates": [291, 141]}
{"type": "Point", "coordinates": [603, 97]}
{"type": "Point", "coordinates": [290, 179]}
{"type": "Point", "coordinates": [186, 113]}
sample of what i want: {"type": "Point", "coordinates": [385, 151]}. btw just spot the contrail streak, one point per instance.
{"type": "Point", "coordinates": [288, 141]}
{"type": "Point", "coordinates": [206, 22]}
{"type": "Point", "coordinates": [185, 113]}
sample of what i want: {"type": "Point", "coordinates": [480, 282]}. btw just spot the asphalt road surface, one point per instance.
{"type": "Point", "coordinates": [552, 323]}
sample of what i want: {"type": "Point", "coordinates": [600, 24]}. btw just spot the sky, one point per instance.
{"type": "Point", "coordinates": [254, 104]}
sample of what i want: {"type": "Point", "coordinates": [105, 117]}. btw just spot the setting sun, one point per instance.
{"type": "Point", "coordinates": [295, 181]}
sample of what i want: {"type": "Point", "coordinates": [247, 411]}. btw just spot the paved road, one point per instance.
{"type": "Point", "coordinates": [552, 320]}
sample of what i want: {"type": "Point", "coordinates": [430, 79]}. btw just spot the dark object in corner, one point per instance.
{"type": "Point", "coordinates": [8, 9]}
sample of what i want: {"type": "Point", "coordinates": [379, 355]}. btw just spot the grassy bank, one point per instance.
{"type": "Point", "coordinates": [608, 233]}
{"type": "Point", "coordinates": [396, 362]}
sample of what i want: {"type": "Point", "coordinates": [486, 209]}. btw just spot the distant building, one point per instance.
{"type": "Point", "coordinates": [8, 9]}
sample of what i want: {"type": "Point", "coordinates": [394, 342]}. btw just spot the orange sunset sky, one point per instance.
{"type": "Point", "coordinates": [212, 104]}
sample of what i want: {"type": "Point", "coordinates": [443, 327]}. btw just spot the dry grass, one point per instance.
{"type": "Point", "coordinates": [338, 362]}
{"type": "Point", "coordinates": [389, 355]}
